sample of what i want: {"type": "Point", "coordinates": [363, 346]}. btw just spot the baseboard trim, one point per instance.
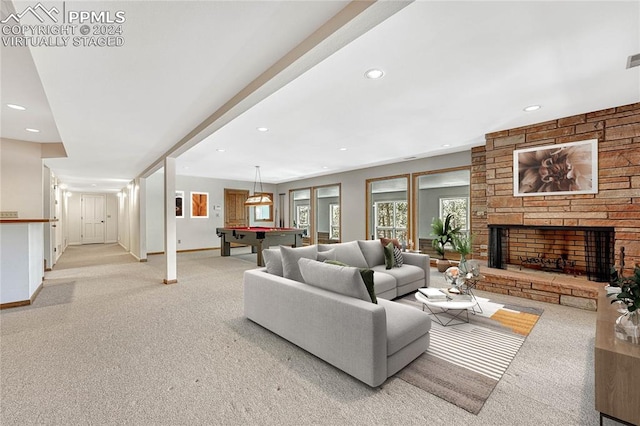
{"type": "Point", "coordinates": [37, 292]}
{"type": "Point", "coordinates": [185, 251]}
{"type": "Point", "coordinates": [19, 303]}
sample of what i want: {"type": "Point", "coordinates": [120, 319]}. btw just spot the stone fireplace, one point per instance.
{"type": "Point", "coordinates": [576, 250]}
{"type": "Point", "coordinates": [573, 240]}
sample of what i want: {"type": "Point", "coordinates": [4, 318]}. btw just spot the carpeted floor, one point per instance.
{"type": "Point", "coordinates": [109, 344]}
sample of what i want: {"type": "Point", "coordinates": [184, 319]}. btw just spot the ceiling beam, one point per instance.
{"type": "Point", "coordinates": [358, 17]}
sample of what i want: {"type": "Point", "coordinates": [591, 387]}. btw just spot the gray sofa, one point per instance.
{"type": "Point", "coordinates": [326, 310]}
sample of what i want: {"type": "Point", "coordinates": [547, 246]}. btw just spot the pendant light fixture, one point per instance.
{"type": "Point", "coordinates": [258, 198]}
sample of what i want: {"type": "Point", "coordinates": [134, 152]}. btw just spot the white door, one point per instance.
{"type": "Point", "coordinates": [92, 219]}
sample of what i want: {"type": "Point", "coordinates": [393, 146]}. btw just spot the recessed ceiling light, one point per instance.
{"type": "Point", "coordinates": [531, 108]}
{"type": "Point", "coordinates": [446, 145]}
{"type": "Point", "coordinates": [262, 129]}
{"type": "Point", "coordinates": [32, 130]}
{"type": "Point", "coordinates": [18, 107]}
{"type": "Point", "coordinates": [374, 74]}
{"type": "Point", "coordinates": [325, 167]}
{"type": "Point", "coordinates": [343, 149]}
{"type": "Point", "coordinates": [94, 184]}
{"type": "Point", "coordinates": [220, 149]}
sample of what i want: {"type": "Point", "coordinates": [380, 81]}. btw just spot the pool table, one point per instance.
{"type": "Point", "coordinates": [259, 238]}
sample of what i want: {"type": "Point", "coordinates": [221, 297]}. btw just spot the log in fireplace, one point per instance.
{"type": "Point", "coordinates": [587, 249]}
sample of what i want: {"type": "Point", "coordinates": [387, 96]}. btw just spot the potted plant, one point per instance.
{"type": "Point", "coordinates": [627, 326]}
{"type": "Point", "coordinates": [443, 232]}
{"type": "Point", "coordinates": [463, 245]}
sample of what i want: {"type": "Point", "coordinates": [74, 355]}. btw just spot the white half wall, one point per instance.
{"type": "Point", "coordinates": [21, 178]}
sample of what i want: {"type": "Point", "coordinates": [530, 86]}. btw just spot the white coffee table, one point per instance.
{"type": "Point", "coordinates": [449, 312]}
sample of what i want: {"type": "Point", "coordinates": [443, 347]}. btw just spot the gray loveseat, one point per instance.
{"type": "Point", "coordinates": [326, 310]}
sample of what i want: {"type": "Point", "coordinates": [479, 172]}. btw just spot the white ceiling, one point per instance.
{"type": "Point", "coordinates": [454, 71]}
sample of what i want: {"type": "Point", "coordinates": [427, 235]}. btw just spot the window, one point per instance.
{"type": "Point", "coordinates": [459, 208]}
{"type": "Point", "coordinates": [388, 207]}
{"type": "Point", "coordinates": [264, 213]}
{"type": "Point", "coordinates": [391, 219]}
{"type": "Point", "coordinates": [302, 219]}
{"type": "Point", "coordinates": [334, 221]}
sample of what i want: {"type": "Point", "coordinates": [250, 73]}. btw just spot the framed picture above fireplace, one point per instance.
{"type": "Point", "coordinates": [561, 169]}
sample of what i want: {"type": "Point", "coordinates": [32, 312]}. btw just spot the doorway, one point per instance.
{"type": "Point", "coordinates": [235, 212]}
{"type": "Point", "coordinates": [92, 219]}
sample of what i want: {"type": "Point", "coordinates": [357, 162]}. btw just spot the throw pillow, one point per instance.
{"type": "Point", "coordinates": [386, 241]}
{"type": "Point", "coordinates": [290, 257]}
{"type": "Point", "coordinates": [388, 256]}
{"type": "Point", "coordinates": [348, 253]}
{"type": "Point", "coordinates": [345, 280]}
{"type": "Point", "coordinates": [397, 257]}
{"type": "Point", "coordinates": [326, 255]}
{"type": "Point", "coordinates": [367, 277]}
{"type": "Point", "coordinates": [373, 252]}
{"type": "Point", "coordinates": [273, 261]}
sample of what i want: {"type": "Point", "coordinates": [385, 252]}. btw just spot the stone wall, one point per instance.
{"type": "Point", "coordinates": [616, 204]}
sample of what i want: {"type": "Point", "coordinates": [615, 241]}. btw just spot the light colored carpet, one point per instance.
{"type": "Point", "coordinates": [110, 344]}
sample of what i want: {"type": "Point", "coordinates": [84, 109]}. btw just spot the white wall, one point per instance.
{"type": "Point", "coordinates": [353, 194]}
{"type": "Point", "coordinates": [74, 223]}
{"type": "Point", "coordinates": [21, 176]}
{"type": "Point", "coordinates": [111, 219]}
{"type": "Point", "coordinates": [123, 219]}
{"type": "Point", "coordinates": [192, 233]}
{"type": "Point", "coordinates": [137, 219]}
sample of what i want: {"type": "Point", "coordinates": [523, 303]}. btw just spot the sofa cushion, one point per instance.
{"type": "Point", "coordinates": [367, 278]}
{"type": "Point", "coordinates": [372, 251]}
{"type": "Point", "coordinates": [383, 282]}
{"type": "Point", "coordinates": [405, 275]}
{"type": "Point", "coordinates": [290, 257]}
{"type": "Point", "coordinates": [404, 325]}
{"type": "Point", "coordinates": [388, 256]}
{"type": "Point", "coordinates": [348, 253]}
{"type": "Point", "coordinates": [273, 261]}
{"type": "Point", "coordinates": [339, 279]}
{"type": "Point", "coordinates": [326, 255]}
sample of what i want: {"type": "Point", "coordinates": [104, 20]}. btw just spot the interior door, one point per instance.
{"type": "Point", "coordinates": [92, 219]}
{"type": "Point", "coordinates": [235, 212]}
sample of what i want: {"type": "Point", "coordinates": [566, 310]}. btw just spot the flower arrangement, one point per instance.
{"type": "Point", "coordinates": [629, 294]}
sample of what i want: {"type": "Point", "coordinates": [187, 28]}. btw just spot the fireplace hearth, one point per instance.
{"type": "Point", "coordinates": [573, 250]}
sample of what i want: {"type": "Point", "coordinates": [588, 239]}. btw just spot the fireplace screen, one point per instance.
{"type": "Point", "coordinates": [599, 243]}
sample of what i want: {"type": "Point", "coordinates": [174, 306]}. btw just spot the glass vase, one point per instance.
{"type": "Point", "coordinates": [627, 327]}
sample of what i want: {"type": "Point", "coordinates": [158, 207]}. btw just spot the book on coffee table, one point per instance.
{"type": "Point", "coordinates": [433, 293]}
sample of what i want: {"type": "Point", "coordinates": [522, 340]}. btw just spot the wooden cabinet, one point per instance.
{"type": "Point", "coordinates": [617, 368]}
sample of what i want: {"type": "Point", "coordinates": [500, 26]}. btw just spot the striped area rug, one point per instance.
{"type": "Point", "coordinates": [465, 362]}
{"type": "Point", "coordinates": [476, 348]}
